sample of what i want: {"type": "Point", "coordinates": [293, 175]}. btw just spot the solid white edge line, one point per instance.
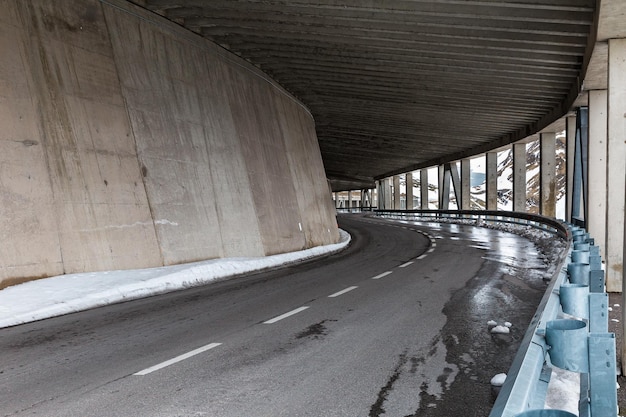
{"type": "Point", "coordinates": [384, 274]}
{"type": "Point", "coordinates": [177, 359]}
{"type": "Point", "coordinates": [284, 316]}
{"type": "Point", "coordinates": [404, 265]}
{"type": "Point", "coordinates": [337, 294]}
{"type": "Point", "coordinates": [422, 256]}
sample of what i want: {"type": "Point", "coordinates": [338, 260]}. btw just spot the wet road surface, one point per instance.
{"type": "Point", "coordinates": [396, 325]}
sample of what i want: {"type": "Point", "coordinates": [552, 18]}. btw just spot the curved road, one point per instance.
{"type": "Point", "coordinates": [395, 325]}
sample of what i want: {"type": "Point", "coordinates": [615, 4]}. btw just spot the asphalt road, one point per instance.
{"type": "Point", "coordinates": [395, 325]}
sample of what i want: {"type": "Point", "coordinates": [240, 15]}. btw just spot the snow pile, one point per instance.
{"type": "Point", "coordinates": [50, 297]}
{"type": "Point", "coordinates": [500, 330]}
{"type": "Point", "coordinates": [496, 328]}
{"type": "Point", "coordinates": [498, 380]}
{"type": "Point", "coordinates": [563, 391]}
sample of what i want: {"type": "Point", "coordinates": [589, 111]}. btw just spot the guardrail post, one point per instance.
{"type": "Point", "coordinates": [602, 385]}
{"type": "Point", "coordinates": [580, 256]}
{"type": "Point", "coordinates": [596, 281]}
{"type": "Point", "coordinates": [567, 339]}
{"type": "Point", "coordinates": [598, 312]}
{"type": "Point", "coordinates": [574, 300]}
{"type": "Point", "coordinates": [578, 273]}
{"type": "Point", "coordinates": [582, 246]}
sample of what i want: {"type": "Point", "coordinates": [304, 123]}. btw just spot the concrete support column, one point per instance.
{"type": "Point", "coordinates": [519, 177]}
{"type": "Point", "coordinates": [336, 199]}
{"type": "Point", "coordinates": [491, 199]}
{"type": "Point", "coordinates": [374, 196]}
{"type": "Point", "coordinates": [616, 165]}
{"type": "Point", "coordinates": [379, 195]}
{"type": "Point", "coordinates": [396, 193]}
{"type": "Point", "coordinates": [456, 182]}
{"type": "Point", "coordinates": [409, 191]}
{"type": "Point", "coordinates": [579, 176]}
{"type": "Point", "coordinates": [424, 189]}
{"type": "Point", "coordinates": [570, 152]}
{"type": "Point", "coordinates": [387, 192]}
{"type": "Point", "coordinates": [443, 188]}
{"type": "Point", "coordinates": [547, 175]}
{"type": "Point", "coordinates": [597, 168]}
{"type": "Point", "coordinates": [349, 205]}
{"type": "Point", "coordinates": [466, 176]}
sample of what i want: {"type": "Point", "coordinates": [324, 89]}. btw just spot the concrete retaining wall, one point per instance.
{"type": "Point", "coordinates": [128, 142]}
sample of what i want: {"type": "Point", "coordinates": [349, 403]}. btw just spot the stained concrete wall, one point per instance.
{"type": "Point", "coordinates": [127, 142]}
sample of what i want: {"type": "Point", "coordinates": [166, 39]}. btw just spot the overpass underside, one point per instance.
{"type": "Point", "coordinates": [400, 85]}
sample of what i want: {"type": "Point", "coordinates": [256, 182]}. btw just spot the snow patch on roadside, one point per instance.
{"type": "Point", "coordinates": [64, 294]}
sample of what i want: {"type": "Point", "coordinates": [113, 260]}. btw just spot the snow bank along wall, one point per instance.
{"type": "Point", "coordinates": [127, 142]}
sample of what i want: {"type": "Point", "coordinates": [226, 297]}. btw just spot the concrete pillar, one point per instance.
{"type": "Point", "coordinates": [443, 188]}
{"type": "Point", "coordinates": [616, 165]}
{"type": "Point", "coordinates": [466, 176]}
{"type": "Point", "coordinates": [491, 199]}
{"type": "Point", "coordinates": [424, 189]}
{"type": "Point", "coordinates": [597, 168]}
{"type": "Point", "coordinates": [570, 151]}
{"type": "Point", "coordinates": [519, 177]}
{"type": "Point", "coordinates": [547, 174]}
{"type": "Point", "coordinates": [396, 192]}
{"type": "Point", "coordinates": [387, 193]}
{"type": "Point", "coordinates": [349, 205]}
{"type": "Point", "coordinates": [579, 176]}
{"type": "Point", "coordinates": [336, 198]}
{"type": "Point", "coordinates": [456, 183]}
{"type": "Point", "coordinates": [374, 196]}
{"type": "Point", "coordinates": [379, 195]}
{"type": "Point", "coordinates": [409, 191]}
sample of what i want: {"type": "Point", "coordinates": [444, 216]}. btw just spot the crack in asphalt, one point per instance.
{"type": "Point", "coordinates": [377, 408]}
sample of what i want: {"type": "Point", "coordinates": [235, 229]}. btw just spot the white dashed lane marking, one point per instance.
{"type": "Point", "coordinates": [177, 359]}
{"type": "Point", "coordinates": [384, 274]}
{"type": "Point", "coordinates": [284, 316]}
{"type": "Point", "coordinates": [404, 265]}
{"type": "Point", "coordinates": [342, 292]}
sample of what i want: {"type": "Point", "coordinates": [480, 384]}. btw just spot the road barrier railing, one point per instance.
{"type": "Point", "coordinates": [569, 329]}
{"type": "Point", "coordinates": [480, 217]}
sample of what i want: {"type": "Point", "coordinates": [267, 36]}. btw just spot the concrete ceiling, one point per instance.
{"type": "Point", "coordinates": [397, 85]}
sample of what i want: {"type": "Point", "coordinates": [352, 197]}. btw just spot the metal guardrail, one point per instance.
{"type": "Point", "coordinates": [354, 209]}
{"type": "Point", "coordinates": [536, 221]}
{"type": "Point", "coordinates": [569, 329]}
